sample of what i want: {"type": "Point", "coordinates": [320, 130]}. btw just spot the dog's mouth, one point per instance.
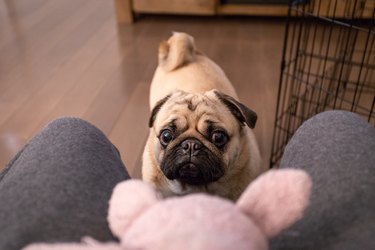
{"type": "Point", "coordinates": [190, 173]}
{"type": "Point", "coordinates": [193, 173]}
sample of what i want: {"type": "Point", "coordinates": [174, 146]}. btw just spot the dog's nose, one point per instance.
{"type": "Point", "coordinates": [189, 146]}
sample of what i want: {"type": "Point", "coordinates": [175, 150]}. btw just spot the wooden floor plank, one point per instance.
{"type": "Point", "coordinates": [77, 100]}
{"type": "Point", "coordinates": [16, 17]}
{"type": "Point", "coordinates": [35, 42]}
{"type": "Point", "coordinates": [113, 97]}
{"type": "Point", "coordinates": [30, 82]}
{"type": "Point", "coordinates": [29, 116]}
{"type": "Point", "coordinates": [130, 130]}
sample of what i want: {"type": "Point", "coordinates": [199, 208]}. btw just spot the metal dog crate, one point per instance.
{"type": "Point", "coordinates": [328, 63]}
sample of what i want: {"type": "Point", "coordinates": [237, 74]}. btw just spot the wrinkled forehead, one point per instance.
{"type": "Point", "coordinates": [187, 109]}
{"type": "Point", "coordinates": [192, 102]}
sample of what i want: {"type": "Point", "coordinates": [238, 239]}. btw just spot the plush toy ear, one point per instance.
{"type": "Point", "coordinates": [276, 199]}
{"type": "Point", "coordinates": [129, 199]}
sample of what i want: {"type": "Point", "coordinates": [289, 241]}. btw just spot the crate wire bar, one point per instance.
{"type": "Point", "coordinates": [328, 63]}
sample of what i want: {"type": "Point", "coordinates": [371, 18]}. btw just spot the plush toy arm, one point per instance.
{"type": "Point", "coordinates": [129, 199]}
{"type": "Point", "coordinates": [276, 199]}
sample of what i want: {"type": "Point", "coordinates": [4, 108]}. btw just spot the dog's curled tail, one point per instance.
{"type": "Point", "coordinates": [177, 51]}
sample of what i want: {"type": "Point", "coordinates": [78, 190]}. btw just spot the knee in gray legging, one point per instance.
{"type": "Point", "coordinates": [57, 188]}
{"type": "Point", "coordinates": [337, 149]}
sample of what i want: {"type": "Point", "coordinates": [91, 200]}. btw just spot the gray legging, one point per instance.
{"type": "Point", "coordinates": [337, 149]}
{"type": "Point", "coordinates": [57, 188]}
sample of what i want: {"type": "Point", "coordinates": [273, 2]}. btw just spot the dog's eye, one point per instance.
{"type": "Point", "coordinates": [219, 138]}
{"type": "Point", "coordinates": [166, 136]}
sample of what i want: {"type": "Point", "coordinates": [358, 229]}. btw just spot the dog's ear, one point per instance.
{"type": "Point", "coordinates": [156, 109]}
{"type": "Point", "coordinates": [240, 111]}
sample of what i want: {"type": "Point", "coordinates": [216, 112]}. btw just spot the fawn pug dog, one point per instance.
{"type": "Point", "coordinates": [200, 137]}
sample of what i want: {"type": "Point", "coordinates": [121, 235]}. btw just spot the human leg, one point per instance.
{"type": "Point", "coordinates": [58, 186]}
{"type": "Point", "coordinates": [337, 149]}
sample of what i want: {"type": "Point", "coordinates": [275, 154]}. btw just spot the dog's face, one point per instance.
{"type": "Point", "coordinates": [198, 137]}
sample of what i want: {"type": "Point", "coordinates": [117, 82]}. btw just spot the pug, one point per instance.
{"type": "Point", "coordinates": [200, 137]}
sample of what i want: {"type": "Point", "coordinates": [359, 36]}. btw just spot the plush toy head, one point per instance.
{"type": "Point", "coordinates": [142, 220]}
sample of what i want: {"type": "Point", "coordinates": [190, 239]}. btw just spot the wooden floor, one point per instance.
{"type": "Point", "coordinates": [70, 58]}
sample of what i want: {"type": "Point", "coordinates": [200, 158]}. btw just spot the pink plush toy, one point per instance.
{"type": "Point", "coordinates": [142, 220]}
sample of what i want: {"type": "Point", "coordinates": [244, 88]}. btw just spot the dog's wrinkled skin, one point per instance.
{"type": "Point", "coordinates": [200, 137]}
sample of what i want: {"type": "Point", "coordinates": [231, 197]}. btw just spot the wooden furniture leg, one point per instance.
{"type": "Point", "coordinates": [124, 11]}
